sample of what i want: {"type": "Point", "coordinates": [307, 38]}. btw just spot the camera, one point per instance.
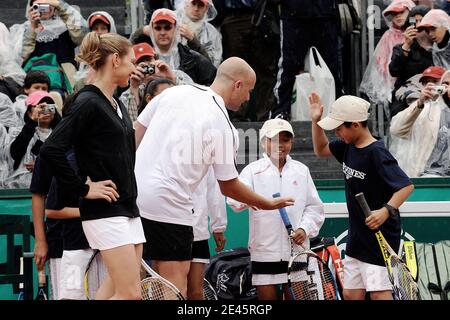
{"type": "Point", "coordinates": [439, 90]}
{"type": "Point", "coordinates": [149, 68]}
{"type": "Point", "coordinates": [48, 109]}
{"type": "Point", "coordinates": [412, 21]}
{"type": "Point", "coordinates": [42, 7]}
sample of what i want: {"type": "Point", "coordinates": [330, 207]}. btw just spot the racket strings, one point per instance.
{"type": "Point", "coordinates": [95, 274]}
{"type": "Point", "coordinates": [208, 292]}
{"type": "Point", "coordinates": [310, 279]}
{"type": "Point", "coordinates": [404, 286]}
{"type": "Point", "coordinates": [156, 289]}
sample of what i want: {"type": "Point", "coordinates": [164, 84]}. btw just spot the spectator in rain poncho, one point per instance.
{"type": "Point", "coordinates": [377, 82]}
{"type": "Point", "coordinates": [194, 27]}
{"type": "Point", "coordinates": [59, 31]}
{"type": "Point", "coordinates": [437, 24]}
{"type": "Point", "coordinates": [100, 22]}
{"type": "Point", "coordinates": [163, 35]}
{"type": "Point", "coordinates": [410, 91]}
{"type": "Point", "coordinates": [41, 117]}
{"type": "Point", "coordinates": [8, 121]}
{"type": "Point", "coordinates": [9, 68]}
{"type": "Point", "coordinates": [424, 131]}
{"type": "Point", "coordinates": [411, 57]}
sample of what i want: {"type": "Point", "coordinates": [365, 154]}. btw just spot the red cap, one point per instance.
{"type": "Point", "coordinates": [97, 17]}
{"type": "Point", "coordinates": [36, 97]}
{"type": "Point", "coordinates": [143, 50]}
{"type": "Point", "coordinates": [433, 72]}
{"type": "Point", "coordinates": [164, 15]}
{"type": "Point", "coordinates": [396, 9]}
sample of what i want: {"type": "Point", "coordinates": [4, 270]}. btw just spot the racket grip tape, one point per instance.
{"type": "Point", "coordinates": [363, 204]}
{"type": "Point", "coordinates": [284, 216]}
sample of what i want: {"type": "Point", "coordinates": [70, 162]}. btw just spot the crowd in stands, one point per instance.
{"type": "Point", "coordinates": [184, 41]}
{"type": "Point", "coordinates": [407, 77]}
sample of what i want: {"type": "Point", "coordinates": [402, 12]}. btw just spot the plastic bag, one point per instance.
{"type": "Point", "coordinates": [316, 78]}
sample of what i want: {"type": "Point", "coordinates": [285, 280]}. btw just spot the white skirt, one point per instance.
{"type": "Point", "coordinates": [114, 232]}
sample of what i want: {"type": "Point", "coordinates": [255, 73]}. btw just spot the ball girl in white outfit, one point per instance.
{"type": "Point", "coordinates": [269, 244]}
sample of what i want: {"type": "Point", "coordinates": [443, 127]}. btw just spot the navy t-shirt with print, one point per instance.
{"type": "Point", "coordinates": [375, 172]}
{"type": "Point", "coordinates": [72, 232]}
{"type": "Point", "coordinates": [40, 183]}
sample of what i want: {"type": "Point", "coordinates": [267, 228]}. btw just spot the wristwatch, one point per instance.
{"type": "Point", "coordinates": [393, 212]}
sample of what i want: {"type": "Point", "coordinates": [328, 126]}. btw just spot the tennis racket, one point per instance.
{"type": "Point", "coordinates": [208, 291]}
{"type": "Point", "coordinates": [95, 273]}
{"type": "Point", "coordinates": [21, 289]}
{"type": "Point", "coordinates": [309, 277]}
{"type": "Point", "coordinates": [41, 295]}
{"type": "Point", "coordinates": [403, 285]}
{"type": "Point", "coordinates": [155, 287]}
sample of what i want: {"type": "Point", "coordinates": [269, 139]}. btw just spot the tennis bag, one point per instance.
{"type": "Point", "coordinates": [433, 269]}
{"type": "Point", "coordinates": [230, 274]}
{"type": "Point", "coordinates": [327, 249]}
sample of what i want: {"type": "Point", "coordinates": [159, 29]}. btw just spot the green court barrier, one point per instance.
{"type": "Point", "coordinates": [425, 217]}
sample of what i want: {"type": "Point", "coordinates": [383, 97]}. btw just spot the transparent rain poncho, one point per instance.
{"type": "Point", "coordinates": [439, 18]}
{"type": "Point", "coordinates": [439, 162]}
{"type": "Point", "coordinates": [377, 82]}
{"type": "Point", "coordinates": [8, 115]}
{"type": "Point", "coordinates": [421, 137]}
{"type": "Point", "coordinates": [5, 159]}
{"type": "Point", "coordinates": [205, 32]}
{"type": "Point", "coordinates": [68, 19]}
{"type": "Point", "coordinates": [8, 63]}
{"type": "Point", "coordinates": [21, 177]}
{"type": "Point", "coordinates": [9, 123]}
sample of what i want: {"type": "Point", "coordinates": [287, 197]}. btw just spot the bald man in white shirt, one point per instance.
{"type": "Point", "coordinates": [180, 134]}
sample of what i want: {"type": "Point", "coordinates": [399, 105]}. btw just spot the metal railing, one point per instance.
{"type": "Point", "coordinates": [135, 14]}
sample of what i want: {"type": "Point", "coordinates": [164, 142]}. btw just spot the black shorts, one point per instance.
{"type": "Point", "coordinates": [167, 241]}
{"type": "Point", "coordinates": [269, 267]}
{"type": "Point", "coordinates": [200, 251]}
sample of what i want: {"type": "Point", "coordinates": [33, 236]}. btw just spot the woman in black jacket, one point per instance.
{"type": "Point", "coordinates": [410, 57]}
{"type": "Point", "coordinates": [101, 133]}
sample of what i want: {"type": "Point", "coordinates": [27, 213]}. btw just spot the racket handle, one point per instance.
{"type": "Point", "coordinates": [363, 204]}
{"type": "Point", "coordinates": [41, 278]}
{"type": "Point", "coordinates": [284, 216]}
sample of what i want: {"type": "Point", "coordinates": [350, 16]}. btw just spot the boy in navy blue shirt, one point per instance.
{"type": "Point", "coordinates": [369, 168]}
{"type": "Point", "coordinates": [48, 233]}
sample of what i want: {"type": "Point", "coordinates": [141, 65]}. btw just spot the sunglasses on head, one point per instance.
{"type": "Point", "coordinates": [166, 27]}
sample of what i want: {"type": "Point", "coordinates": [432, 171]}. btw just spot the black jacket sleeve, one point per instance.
{"type": "Point", "coordinates": [63, 137]}
{"type": "Point", "coordinates": [195, 45]}
{"type": "Point", "coordinates": [199, 68]}
{"type": "Point", "coordinates": [20, 144]}
{"type": "Point", "coordinates": [398, 62]}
